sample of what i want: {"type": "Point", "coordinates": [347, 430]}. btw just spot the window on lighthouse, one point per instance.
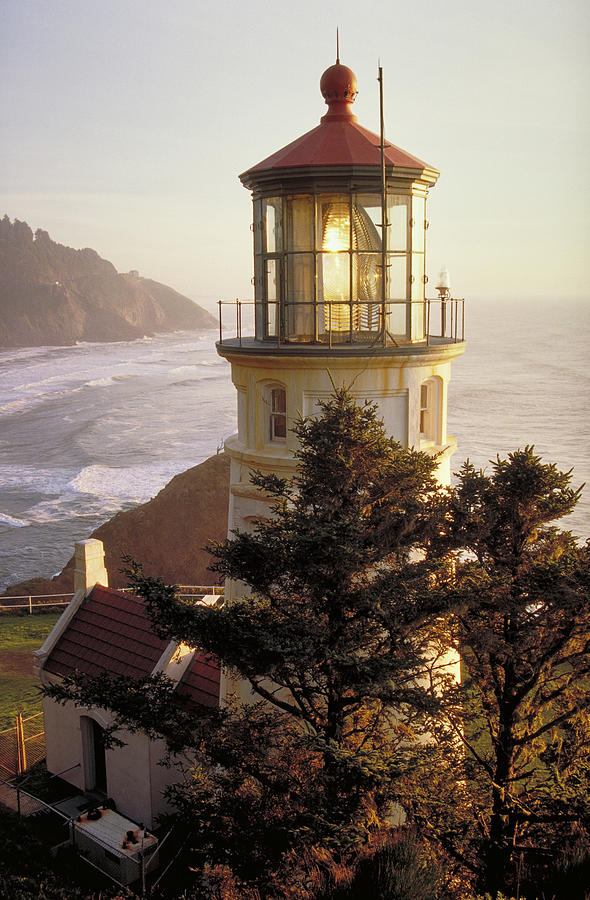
{"type": "Point", "coordinates": [278, 414]}
{"type": "Point", "coordinates": [428, 410]}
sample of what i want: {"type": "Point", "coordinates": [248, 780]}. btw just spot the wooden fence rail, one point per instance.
{"type": "Point", "coordinates": [9, 604]}
{"type": "Point", "coordinates": [45, 601]}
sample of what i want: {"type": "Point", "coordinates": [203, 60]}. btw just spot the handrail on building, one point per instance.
{"type": "Point", "coordinates": [451, 320]}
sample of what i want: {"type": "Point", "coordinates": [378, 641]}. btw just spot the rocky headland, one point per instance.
{"type": "Point", "coordinates": [54, 295]}
{"type": "Point", "coordinates": [167, 534]}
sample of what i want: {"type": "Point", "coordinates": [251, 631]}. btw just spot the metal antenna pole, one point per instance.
{"type": "Point", "coordinates": [384, 222]}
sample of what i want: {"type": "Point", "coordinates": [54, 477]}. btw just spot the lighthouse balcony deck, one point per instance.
{"type": "Point", "coordinates": [343, 328]}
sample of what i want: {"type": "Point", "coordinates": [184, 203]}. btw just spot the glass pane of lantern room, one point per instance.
{"type": "Point", "coordinates": [299, 234]}
{"type": "Point", "coordinates": [335, 280]}
{"type": "Point", "coordinates": [272, 293]}
{"type": "Point", "coordinates": [334, 261]}
{"type": "Point", "coordinates": [334, 223]}
{"type": "Point", "coordinates": [417, 297]}
{"type": "Point", "coordinates": [418, 220]}
{"type": "Point", "coordinates": [366, 222]}
{"type": "Point", "coordinates": [259, 294]}
{"type": "Point", "coordinates": [274, 224]}
{"type": "Point", "coordinates": [367, 273]}
{"type": "Point", "coordinates": [398, 285]}
{"type": "Point", "coordinates": [258, 226]}
{"type": "Point", "coordinates": [271, 319]}
{"type": "Point", "coordinates": [397, 265]}
{"type": "Point", "coordinates": [397, 216]}
{"type": "Point", "coordinates": [299, 303]}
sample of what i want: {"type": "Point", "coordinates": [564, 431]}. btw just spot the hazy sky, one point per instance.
{"type": "Point", "coordinates": [125, 124]}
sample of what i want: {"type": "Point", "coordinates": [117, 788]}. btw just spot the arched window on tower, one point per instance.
{"type": "Point", "coordinates": [429, 411]}
{"type": "Point", "coordinates": [276, 400]}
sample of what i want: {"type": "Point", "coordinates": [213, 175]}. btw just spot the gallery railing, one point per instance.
{"type": "Point", "coordinates": [336, 323]}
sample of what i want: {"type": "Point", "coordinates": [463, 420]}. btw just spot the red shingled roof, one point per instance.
{"type": "Point", "coordinates": [200, 684]}
{"type": "Point", "coordinates": [111, 633]}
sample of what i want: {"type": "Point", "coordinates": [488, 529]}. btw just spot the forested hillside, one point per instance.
{"type": "Point", "coordinates": [55, 295]}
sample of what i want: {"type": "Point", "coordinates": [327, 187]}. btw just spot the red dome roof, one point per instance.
{"type": "Point", "coordinates": [338, 140]}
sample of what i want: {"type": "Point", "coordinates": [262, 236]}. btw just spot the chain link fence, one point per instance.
{"type": "Point", "coordinates": [21, 746]}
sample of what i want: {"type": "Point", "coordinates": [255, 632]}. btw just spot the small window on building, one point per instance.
{"type": "Point", "coordinates": [428, 410]}
{"type": "Point", "coordinates": [278, 414]}
{"type": "Point", "coordinates": [424, 411]}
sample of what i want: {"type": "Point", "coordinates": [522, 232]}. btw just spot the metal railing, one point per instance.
{"type": "Point", "coordinates": [147, 861]}
{"type": "Point", "coordinates": [337, 323]}
{"type": "Point", "coordinates": [191, 591]}
{"type": "Point", "coordinates": [25, 803]}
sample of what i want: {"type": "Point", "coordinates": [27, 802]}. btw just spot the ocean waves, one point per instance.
{"type": "Point", "coordinates": [12, 521]}
{"type": "Point", "coordinates": [133, 484]}
{"type": "Point", "coordinates": [89, 430]}
{"type": "Point", "coordinates": [96, 490]}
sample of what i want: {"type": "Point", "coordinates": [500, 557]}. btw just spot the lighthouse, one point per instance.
{"type": "Point", "coordinates": [340, 226]}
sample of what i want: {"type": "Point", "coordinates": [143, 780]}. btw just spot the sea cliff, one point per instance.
{"type": "Point", "coordinates": [54, 295]}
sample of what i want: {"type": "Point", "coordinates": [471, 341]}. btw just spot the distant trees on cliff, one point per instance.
{"type": "Point", "coordinates": [361, 767]}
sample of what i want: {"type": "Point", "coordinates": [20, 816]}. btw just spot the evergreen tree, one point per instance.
{"type": "Point", "coordinates": [523, 709]}
{"type": "Point", "coordinates": [333, 636]}
{"type": "Point", "coordinates": [339, 582]}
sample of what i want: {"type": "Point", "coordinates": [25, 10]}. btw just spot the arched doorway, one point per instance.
{"type": "Point", "coordinates": [95, 768]}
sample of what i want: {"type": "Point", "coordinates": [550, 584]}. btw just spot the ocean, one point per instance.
{"type": "Point", "coordinates": [89, 430]}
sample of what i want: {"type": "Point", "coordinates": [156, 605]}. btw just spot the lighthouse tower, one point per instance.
{"type": "Point", "coordinates": [340, 229]}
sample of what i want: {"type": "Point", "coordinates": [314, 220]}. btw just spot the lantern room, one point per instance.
{"type": "Point", "coordinates": [340, 230]}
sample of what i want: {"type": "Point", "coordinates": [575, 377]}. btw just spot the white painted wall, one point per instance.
{"type": "Point", "coordinates": [135, 781]}
{"type": "Point", "coordinates": [392, 381]}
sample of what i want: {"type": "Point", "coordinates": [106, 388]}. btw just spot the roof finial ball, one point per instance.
{"type": "Point", "coordinates": [338, 87]}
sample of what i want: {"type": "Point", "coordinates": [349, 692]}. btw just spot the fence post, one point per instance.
{"type": "Point", "coordinates": [30, 606]}
{"type": "Point", "coordinates": [21, 751]}
{"type": "Point", "coordinates": [142, 867]}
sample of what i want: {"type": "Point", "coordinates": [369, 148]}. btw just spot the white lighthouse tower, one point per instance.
{"type": "Point", "coordinates": [339, 270]}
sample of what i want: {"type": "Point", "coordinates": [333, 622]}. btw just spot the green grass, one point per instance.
{"type": "Point", "coordinates": [19, 636]}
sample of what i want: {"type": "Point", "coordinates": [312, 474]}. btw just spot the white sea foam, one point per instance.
{"type": "Point", "coordinates": [135, 484]}
{"type": "Point", "coordinates": [180, 370]}
{"type": "Point", "coordinates": [40, 479]}
{"type": "Point", "coordinates": [5, 519]}
{"type": "Point", "coordinates": [14, 406]}
{"type": "Point", "coordinates": [26, 403]}
{"type": "Point", "coordinates": [100, 382]}
{"type": "Point", "coordinates": [68, 508]}
{"type": "Point", "coordinates": [37, 384]}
